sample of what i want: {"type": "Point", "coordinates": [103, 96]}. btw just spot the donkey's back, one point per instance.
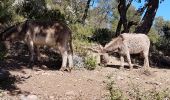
{"type": "Point", "coordinates": [49, 33]}
{"type": "Point", "coordinates": [136, 43]}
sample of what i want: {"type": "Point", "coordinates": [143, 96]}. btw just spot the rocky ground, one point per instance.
{"type": "Point", "coordinates": [82, 84]}
{"type": "Point", "coordinates": [104, 83]}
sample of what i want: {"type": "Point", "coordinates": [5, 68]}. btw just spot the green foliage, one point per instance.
{"type": "Point", "coordinates": [166, 29]}
{"type": "Point", "coordinates": [153, 35]}
{"type": "Point", "coordinates": [157, 95]}
{"type": "Point", "coordinates": [102, 36]}
{"type": "Point", "coordinates": [80, 37]}
{"type": "Point", "coordinates": [101, 15]}
{"type": "Point", "coordinates": [6, 11]}
{"type": "Point", "coordinates": [115, 93]}
{"type": "Point", "coordinates": [164, 45]}
{"type": "Point", "coordinates": [159, 35]}
{"type": "Point", "coordinates": [90, 62]}
{"type": "Point", "coordinates": [131, 14]}
{"type": "Point", "coordinates": [151, 94]}
{"type": "Point", "coordinates": [38, 9]}
{"type": "Point", "coordinates": [159, 23]}
{"type": "Point", "coordinates": [81, 32]}
{"type": "Point", "coordinates": [78, 46]}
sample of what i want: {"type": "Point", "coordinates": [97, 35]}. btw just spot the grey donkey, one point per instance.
{"type": "Point", "coordinates": [126, 44]}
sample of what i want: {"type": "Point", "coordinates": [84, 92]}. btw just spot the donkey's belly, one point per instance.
{"type": "Point", "coordinates": [44, 41]}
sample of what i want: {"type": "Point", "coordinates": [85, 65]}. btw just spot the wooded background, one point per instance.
{"type": "Point", "coordinates": [95, 20]}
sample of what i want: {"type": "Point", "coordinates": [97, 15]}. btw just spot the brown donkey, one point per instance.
{"type": "Point", "coordinates": [39, 33]}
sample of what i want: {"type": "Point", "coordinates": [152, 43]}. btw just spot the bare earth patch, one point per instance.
{"type": "Point", "coordinates": [83, 84]}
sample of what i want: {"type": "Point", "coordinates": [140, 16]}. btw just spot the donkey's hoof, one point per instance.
{"type": "Point", "coordinates": [62, 69]}
{"type": "Point", "coordinates": [65, 69]}
{"type": "Point", "coordinates": [69, 69]}
{"type": "Point", "coordinates": [31, 64]}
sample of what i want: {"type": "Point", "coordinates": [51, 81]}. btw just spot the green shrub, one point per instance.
{"type": "Point", "coordinates": [79, 45]}
{"type": "Point", "coordinates": [81, 32]}
{"type": "Point", "coordinates": [80, 37]}
{"type": "Point", "coordinates": [102, 36]}
{"type": "Point", "coordinates": [38, 9]}
{"type": "Point", "coordinates": [115, 93]}
{"type": "Point", "coordinates": [90, 62]}
{"type": "Point", "coordinates": [163, 45]}
{"type": "Point", "coordinates": [153, 36]}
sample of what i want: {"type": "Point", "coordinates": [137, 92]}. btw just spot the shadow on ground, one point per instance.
{"type": "Point", "coordinates": [8, 82]}
{"type": "Point", "coordinates": [17, 61]}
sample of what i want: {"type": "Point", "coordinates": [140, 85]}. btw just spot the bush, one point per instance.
{"type": "Point", "coordinates": [163, 45]}
{"type": "Point", "coordinates": [102, 36]}
{"type": "Point", "coordinates": [80, 37]}
{"type": "Point", "coordinates": [90, 63]}
{"type": "Point", "coordinates": [37, 9]}
{"type": "Point", "coordinates": [81, 32]}
{"type": "Point", "coordinates": [153, 36]}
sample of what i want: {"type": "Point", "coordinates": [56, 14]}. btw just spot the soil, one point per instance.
{"type": "Point", "coordinates": [43, 83]}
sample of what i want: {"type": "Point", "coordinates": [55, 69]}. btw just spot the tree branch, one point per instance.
{"type": "Point", "coordinates": [85, 12]}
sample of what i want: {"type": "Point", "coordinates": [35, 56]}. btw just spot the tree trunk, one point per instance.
{"type": "Point", "coordinates": [147, 20]}
{"type": "Point", "coordinates": [85, 12]}
{"type": "Point", "coordinates": [118, 29]}
{"type": "Point", "coordinates": [122, 8]}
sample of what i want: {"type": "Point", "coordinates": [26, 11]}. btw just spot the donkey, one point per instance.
{"type": "Point", "coordinates": [39, 33]}
{"type": "Point", "coordinates": [126, 44]}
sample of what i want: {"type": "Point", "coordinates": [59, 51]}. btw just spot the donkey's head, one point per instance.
{"type": "Point", "coordinates": [12, 33]}
{"type": "Point", "coordinates": [113, 46]}
{"type": "Point", "coordinates": [103, 54]}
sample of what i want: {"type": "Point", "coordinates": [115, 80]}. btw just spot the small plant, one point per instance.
{"type": "Point", "coordinates": [114, 92]}
{"type": "Point", "coordinates": [154, 94]}
{"type": "Point", "coordinates": [90, 63]}
{"type": "Point", "coordinates": [151, 94]}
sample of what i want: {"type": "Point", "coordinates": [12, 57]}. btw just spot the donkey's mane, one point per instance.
{"type": "Point", "coordinates": [8, 31]}
{"type": "Point", "coordinates": [114, 41]}
{"type": "Point", "coordinates": [10, 27]}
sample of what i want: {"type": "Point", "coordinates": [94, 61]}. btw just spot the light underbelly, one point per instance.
{"type": "Point", "coordinates": [39, 40]}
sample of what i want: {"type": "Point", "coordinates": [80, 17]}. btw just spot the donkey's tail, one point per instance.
{"type": "Point", "coordinates": [70, 45]}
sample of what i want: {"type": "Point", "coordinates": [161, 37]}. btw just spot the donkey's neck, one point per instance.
{"type": "Point", "coordinates": [9, 31]}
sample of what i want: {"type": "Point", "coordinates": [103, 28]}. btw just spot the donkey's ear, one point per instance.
{"type": "Point", "coordinates": [101, 47]}
{"type": "Point", "coordinates": [121, 36]}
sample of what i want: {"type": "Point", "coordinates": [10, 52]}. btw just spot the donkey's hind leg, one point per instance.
{"type": "Point", "coordinates": [32, 53]}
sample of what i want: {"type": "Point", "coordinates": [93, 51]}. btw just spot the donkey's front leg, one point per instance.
{"type": "Point", "coordinates": [70, 60]}
{"type": "Point", "coordinates": [64, 60]}
{"type": "Point", "coordinates": [31, 49]}
{"type": "Point", "coordinates": [38, 53]}
{"type": "Point", "coordinates": [122, 62]}
{"type": "Point", "coordinates": [129, 60]}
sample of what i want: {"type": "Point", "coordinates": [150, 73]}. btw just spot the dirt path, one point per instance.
{"type": "Point", "coordinates": [83, 84]}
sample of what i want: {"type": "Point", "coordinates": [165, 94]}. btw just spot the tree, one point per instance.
{"type": "Point", "coordinates": [39, 9]}
{"type": "Point", "coordinates": [149, 9]}
{"type": "Point", "coordinates": [6, 9]}
{"type": "Point", "coordinates": [159, 23]}
{"type": "Point", "coordinates": [85, 12]}
{"type": "Point", "coordinates": [102, 14]}
{"type": "Point", "coordinates": [148, 18]}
